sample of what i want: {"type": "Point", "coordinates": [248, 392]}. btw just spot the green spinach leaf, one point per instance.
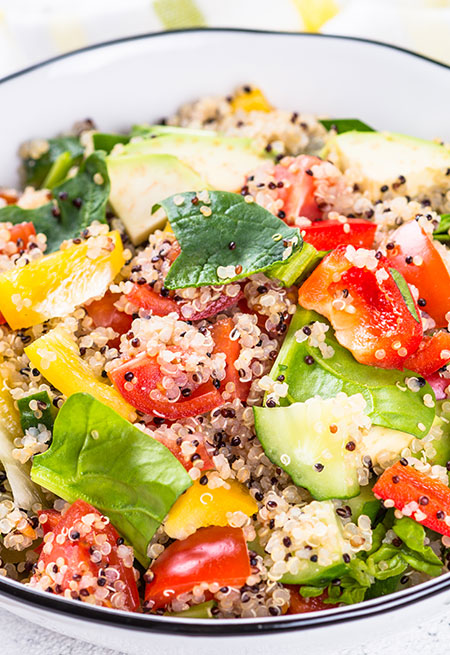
{"type": "Point", "coordinates": [100, 457]}
{"type": "Point", "coordinates": [442, 232]}
{"type": "Point", "coordinates": [414, 551]}
{"type": "Point", "coordinates": [224, 233]}
{"type": "Point", "coordinates": [389, 402]}
{"type": "Point", "coordinates": [80, 200]}
{"type": "Point", "coordinates": [36, 170]}
{"type": "Point", "coordinates": [28, 418]}
{"type": "Point", "coordinates": [345, 125]}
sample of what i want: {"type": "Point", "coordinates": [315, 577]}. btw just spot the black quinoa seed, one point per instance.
{"type": "Point", "coordinates": [440, 515]}
{"type": "Point", "coordinates": [271, 403]}
{"type": "Point", "coordinates": [232, 245]}
{"type": "Point", "coordinates": [314, 558]}
{"type": "Point", "coordinates": [409, 259]}
{"type": "Point", "coordinates": [421, 302]}
{"type": "Point", "coordinates": [203, 480]}
{"type": "Point", "coordinates": [319, 467]}
{"type": "Point", "coordinates": [395, 479]}
{"type": "Point", "coordinates": [403, 461]}
{"type": "Point", "coordinates": [424, 500]}
{"type": "Point", "coordinates": [346, 558]}
{"type": "Point", "coordinates": [350, 445]}
{"type": "Point", "coordinates": [309, 360]}
{"type": "Point", "coordinates": [384, 188]}
{"type": "Point", "coordinates": [77, 202]}
{"type": "Point", "coordinates": [128, 376]}
{"type": "Point", "coordinates": [281, 214]}
{"type": "Point", "coordinates": [216, 383]}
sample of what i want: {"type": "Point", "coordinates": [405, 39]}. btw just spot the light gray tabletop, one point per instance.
{"type": "Point", "coordinates": [18, 637]}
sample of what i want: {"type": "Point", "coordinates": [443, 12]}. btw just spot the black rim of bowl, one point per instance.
{"type": "Point", "coordinates": [32, 598]}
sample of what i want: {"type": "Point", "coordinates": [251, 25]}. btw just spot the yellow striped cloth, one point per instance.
{"type": "Point", "coordinates": [33, 30]}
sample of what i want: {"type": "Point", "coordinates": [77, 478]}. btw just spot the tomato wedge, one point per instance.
{"type": "Point", "coordinates": [139, 381]}
{"type": "Point", "coordinates": [294, 185]}
{"type": "Point", "coordinates": [300, 605]}
{"type": "Point", "coordinates": [221, 332]}
{"type": "Point", "coordinates": [214, 554]}
{"type": "Point", "coordinates": [20, 234]}
{"type": "Point", "coordinates": [186, 460]}
{"type": "Point", "coordinates": [431, 355]}
{"type": "Point", "coordinates": [79, 563]}
{"type": "Point", "coordinates": [429, 274]}
{"type": "Point", "coordinates": [365, 307]}
{"type": "Point", "coordinates": [427, 499]}
{"type": "Point", "coordinates": [145, 298]}
{"type": "Point", "coordinates": [104, 313]}
{"type": "Point", "coordinates": [326, 235]}
{"type": "Point", "coordinates": [143, 390]}
{"type": "Point", "coordinates": [9, 196]}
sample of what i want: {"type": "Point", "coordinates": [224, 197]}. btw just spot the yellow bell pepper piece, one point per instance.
{"type": "Point", "coordinates": [200, 507]}
{"type": "Point", "coordinates": [56, 284]}
{"type": "Point", "coordinates": [254, 100]}
{"type": "Point", "coordinates": [168, 227]}
{"type": "Point", "coordinates": [56, 355]}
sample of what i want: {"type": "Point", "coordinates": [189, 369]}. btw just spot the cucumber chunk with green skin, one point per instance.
{"type": "Point", "coordinates": [442, 425]}
{"type": "Point", "coordinates": [383, 158]}
{"type": "Point", "coordinates": [364, 503]}
{"type": "Point", "coordinates": [201, 611]}
{"type": "Point", "coordinates": [308, 441]}
{"type": "Point", "coordinates": [223, 162]}
{"type": "Point", "coordinates": [315, 573]}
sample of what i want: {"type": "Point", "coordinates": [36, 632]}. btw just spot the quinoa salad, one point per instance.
{"type": "Point", "coordinates": [225, 363]}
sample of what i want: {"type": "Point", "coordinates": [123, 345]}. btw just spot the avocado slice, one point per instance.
{"type": "Point", "coordinates": [223, 162]}
{"type": "Point", "coordinates": [314, 573]}
{"type": "Point", "coordinates": [142, 180]}
{"type": "Point", "coordinates": [381, 157]}
{"type": "Point", "coordinates": [299, 440]}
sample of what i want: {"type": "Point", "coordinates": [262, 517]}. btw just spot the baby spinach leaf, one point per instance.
{"type": "Point", "coordinates": [36, 170]}
{"type": "Point", "coordinates": [80, 200]}
{"type": "Point", "coordinates": [389, 402]}
{"type": "Point", "coordinates": [414, 550]}
{"type": "Point", "coordinates": [345, 125]}
{"type": "Point", "coordinates": [98, 456]}
{"type": "Point", "coordinates": [442, 232]}
{"type": "Point", "coordinates": [225, 232]}
{"type": "Point", "coordinates": [28, 417]}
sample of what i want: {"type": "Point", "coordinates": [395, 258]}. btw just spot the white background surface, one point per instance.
{"type": "Point", "coordinates": [18, 636]}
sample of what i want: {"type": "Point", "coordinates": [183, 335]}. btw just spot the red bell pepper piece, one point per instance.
{"type": "Point", "coordinates": [214, 554]}
{"type": "Point", "coordinates": [431, 355]}
{"type": "Point", "coordinates": [430, 498]}
{"type": "Point", "coordinates": [326, 235]}
{"type": "Point", "coordinates": [365, 307]}
{"type": "Point", "coordinates": [430, 276]}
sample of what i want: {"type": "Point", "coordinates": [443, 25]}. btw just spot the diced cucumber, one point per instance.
{"type": "Point", "coordinates": [311, 572]}
{"type": "Point", "coordinates": [308, 441]}
{"type": "Point", "coordinates": [364, 503]}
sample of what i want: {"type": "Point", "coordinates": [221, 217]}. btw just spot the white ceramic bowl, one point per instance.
{"type": "Point", "coordinates": [149, 76]}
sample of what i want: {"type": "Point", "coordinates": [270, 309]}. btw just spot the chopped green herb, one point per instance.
{"type": "Point", "coordinates": [28, 418]}
{"type": "Point", "coordinates": [345, 125]}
